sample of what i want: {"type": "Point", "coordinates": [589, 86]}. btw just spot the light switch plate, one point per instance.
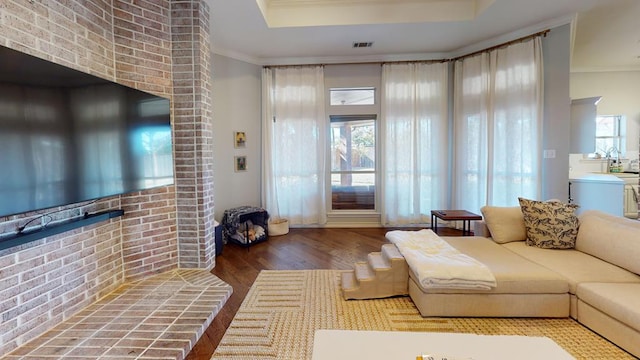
{"type": "Point", "coordinates": [549, 154]}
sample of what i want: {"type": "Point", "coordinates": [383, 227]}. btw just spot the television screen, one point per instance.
{"type": "Point", "coordinates": [67, 136]}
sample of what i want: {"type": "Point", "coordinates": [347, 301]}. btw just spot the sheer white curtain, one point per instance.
{"type": "Point", "coordinates": [414, 142]}
{"type": "Point", "coordinates": [498, 126]}
{"type": "Point", "coordinates": [294, 139]}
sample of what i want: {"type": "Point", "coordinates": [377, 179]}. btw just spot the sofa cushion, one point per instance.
{"type": "Point", "coordinates": [514, 275]}
{"type": "Point", "coordinates": [611, 240]}
{"type": "Point", "coordinates": [505, 223]}
{"type": "Point", "coordinates": [574, 265]}
{"type": "Point", "coordinates": [619, 301]}
{"type": "Point", "coordinates": [550, 224]}
{"type": "Point", "coordinates": [606, 216]}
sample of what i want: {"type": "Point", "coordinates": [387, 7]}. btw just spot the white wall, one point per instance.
{"type": "Point", "coordinates": [620, 91]}
{"type": "Point", "coordinates": [557, 113]}
{"type": "Point", "coordinates": [236, 107]}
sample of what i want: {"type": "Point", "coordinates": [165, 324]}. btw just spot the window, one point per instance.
{"type": "Point", "coordinates": [353, 165]}
{"type": "Point", "coordinates": [352, 96]}
{"type": "Point", "coordinates": [497, 126]}
{"type": "Point", "coordinates": [609, 134]}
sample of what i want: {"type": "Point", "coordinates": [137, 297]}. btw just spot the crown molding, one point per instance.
{"type": "Point", "coordinates": [301, 13]}
{"type": "Point", "coordinates": [504, 38]}
{"type": "Point", "coordinates": [236, 56]}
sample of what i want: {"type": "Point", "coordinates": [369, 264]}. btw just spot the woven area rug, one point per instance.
{"type": "Point", "coordinates": [283, 308]}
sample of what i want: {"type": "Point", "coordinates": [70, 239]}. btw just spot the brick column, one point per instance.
{"type": "Point", "coordinates": [193, 132]}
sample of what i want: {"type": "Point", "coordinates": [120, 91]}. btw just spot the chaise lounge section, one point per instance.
{"type": "Point", "coordinates": [523, 288]}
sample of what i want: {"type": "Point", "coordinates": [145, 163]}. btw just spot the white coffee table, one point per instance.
{"type": "Point", "coordinates": [399, 345]}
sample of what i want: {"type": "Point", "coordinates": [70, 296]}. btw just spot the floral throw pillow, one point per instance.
{"type": "Point", "coordinates": [550, 224]}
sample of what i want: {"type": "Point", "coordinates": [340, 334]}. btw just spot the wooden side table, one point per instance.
{"type": "Point", "coordinates": [454, 215]}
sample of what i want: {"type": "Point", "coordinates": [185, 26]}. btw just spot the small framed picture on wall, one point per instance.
{"type": "Point", "coordinates": [240, 163]}
{"type": "Point", "coordinates": [239, 139]}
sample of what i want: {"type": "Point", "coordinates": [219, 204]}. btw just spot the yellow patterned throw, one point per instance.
{"type": "Point", "coordinates": [550, 224]}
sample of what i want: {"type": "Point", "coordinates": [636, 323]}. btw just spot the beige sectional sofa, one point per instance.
{"type": "Point", "coordinates": [597, 282]}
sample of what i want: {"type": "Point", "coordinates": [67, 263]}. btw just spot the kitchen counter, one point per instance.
{"type": "Point", "coordinates": [604, 192]}
{"type": "Point", "coordinates": [597, 177]}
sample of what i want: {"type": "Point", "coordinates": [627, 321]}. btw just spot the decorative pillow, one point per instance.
{"type": "Point", "coordinates": [550, 224]}
{"type": "Point", "coordinates": [506, 224]}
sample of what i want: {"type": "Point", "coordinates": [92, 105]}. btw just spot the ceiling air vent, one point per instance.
{"type": "Point", "coordinates": [362, 44]}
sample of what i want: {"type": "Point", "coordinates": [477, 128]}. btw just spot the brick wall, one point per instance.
{"type": "Point", "coordinates": [44, 282]}
{"type": "Point", "coordinates": [142, 52]}
{"type": "Point", "coordinates": [149, 232]}
{"type": "Point", "coordinates": [127, 41]}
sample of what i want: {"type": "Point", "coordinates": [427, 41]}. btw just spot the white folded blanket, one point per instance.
{"type": "Point", "coordinates": [439, 265]}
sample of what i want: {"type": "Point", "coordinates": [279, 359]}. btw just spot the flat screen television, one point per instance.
{"type": "Point", "coordinates": [67, 136]}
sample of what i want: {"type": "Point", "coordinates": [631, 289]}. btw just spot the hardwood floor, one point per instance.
{"type": "Point", "coordinates": [334, 248]}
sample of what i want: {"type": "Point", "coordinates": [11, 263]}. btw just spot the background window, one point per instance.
{"type": "Point", "coordinates": [608, 134]}
{"type": "Point", "coordinates": [353, 164]}
{"type": "Point", "coordinates": [352, 96]}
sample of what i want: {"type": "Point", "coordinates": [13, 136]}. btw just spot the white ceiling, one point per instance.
{"type": "Point", "coordinates": [607, 32]}
{"type": "Point", "coordinates": [607, 37]}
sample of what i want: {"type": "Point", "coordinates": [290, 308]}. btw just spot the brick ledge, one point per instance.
{"type": "Point", "coordinates": [158, 317]}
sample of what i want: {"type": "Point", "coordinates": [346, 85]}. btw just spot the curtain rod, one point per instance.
{"type": "Point", "coordinates": [415, 61]}
{"type": "Point", "coordinates": [524, 38]}
{"type": "Point", "coordinates": [321, 64]}
{"type": "Point", "coordinates": [359, 63]}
